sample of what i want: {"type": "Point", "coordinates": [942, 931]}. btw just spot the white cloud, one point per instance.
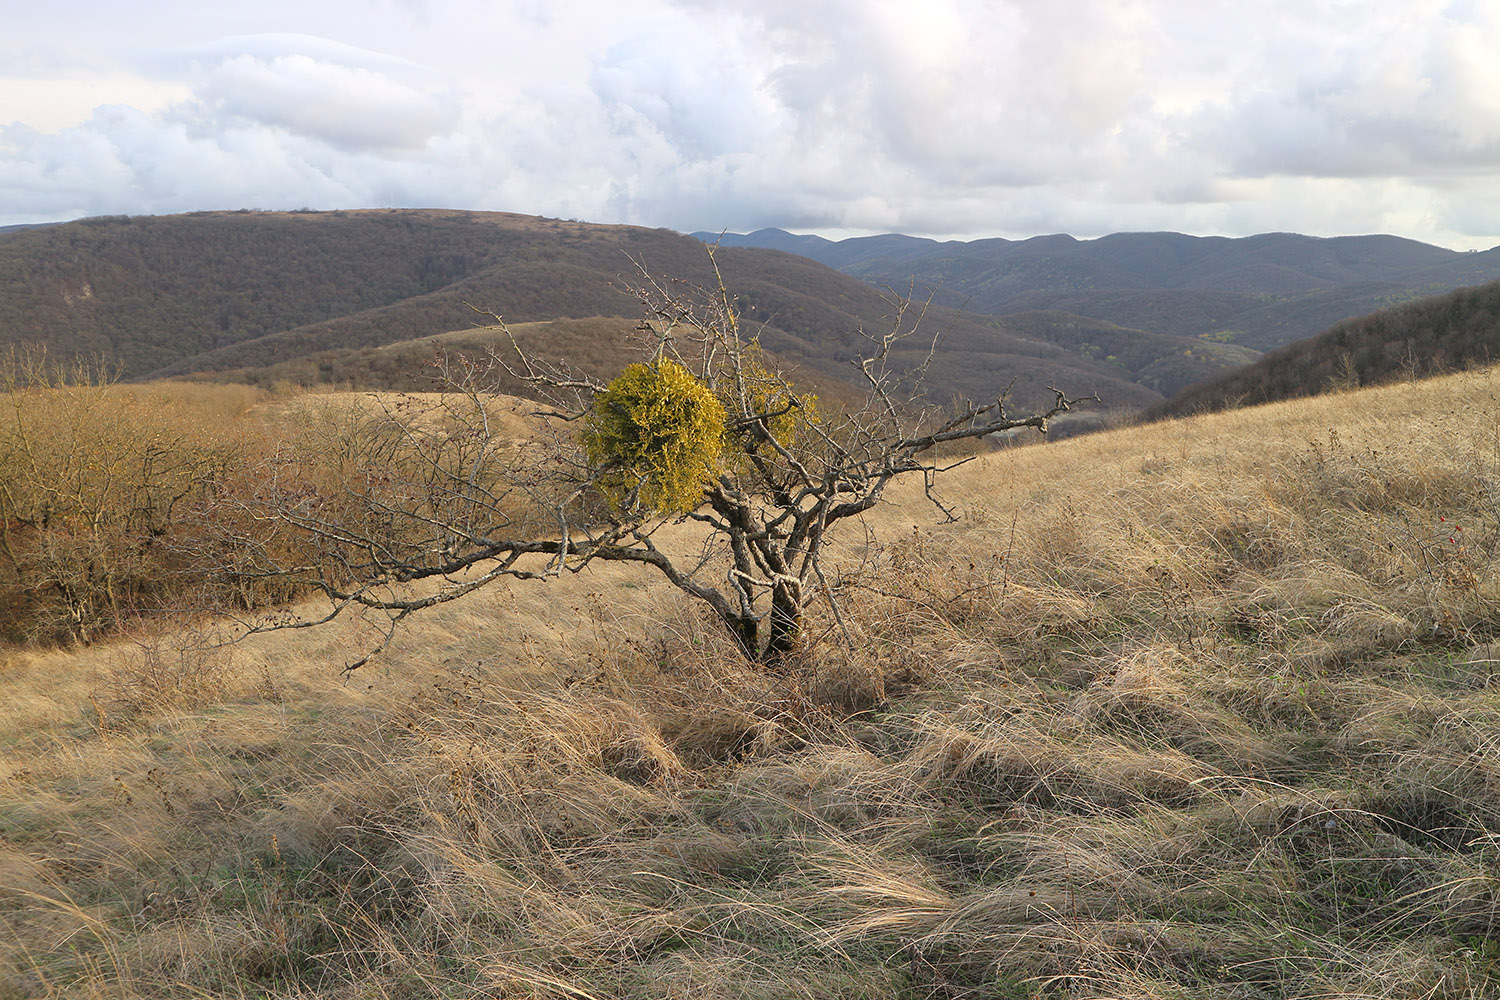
{"type": "Point", "coordinates": [348, 97]}
{"type": "Point", "coordinates": [62, 102]}
{"type": "Point", "coordinates": [703, 102]}
{"type": "Point", "coordinates": [346, 106]}
{"type": "Point", "coordinates": [272, 121]}
{"type": "Point", "coordinates": [1413, 91]}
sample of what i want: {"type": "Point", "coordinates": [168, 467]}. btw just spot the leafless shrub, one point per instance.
{"type": "Point", "coordinates": [166, 664]}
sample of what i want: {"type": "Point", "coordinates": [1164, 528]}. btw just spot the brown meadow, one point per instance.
{"type": "Point", "coordinates": [1198, 709]}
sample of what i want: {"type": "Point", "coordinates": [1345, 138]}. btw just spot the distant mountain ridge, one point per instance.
{"type": "Point", "coordinates": [358, 296]}
{"type": "Point", "coordinates": [1258, 291]}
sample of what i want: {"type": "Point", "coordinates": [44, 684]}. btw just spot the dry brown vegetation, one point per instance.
{"type": "Point", "coordinates": [1199, 709]}
{"type": "Point", "coordinates": [121, 504]}
{"type": "Point", "coordinates": [99, 486]}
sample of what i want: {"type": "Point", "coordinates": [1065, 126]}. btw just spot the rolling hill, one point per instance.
{"type": "Point", "coordinates": [155, 293]}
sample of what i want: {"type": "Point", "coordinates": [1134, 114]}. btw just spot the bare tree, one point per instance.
{"type": "Point", "coordinates": [706, 429]}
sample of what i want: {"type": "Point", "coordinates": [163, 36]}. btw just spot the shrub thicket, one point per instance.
{"type": "Point", "coordinates": [113, 499]}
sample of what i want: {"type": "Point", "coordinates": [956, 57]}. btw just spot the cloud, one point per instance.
{"type": "Point", "coordinates": [347, 97]}
{"type": "Point", "coordinates": [1415, 90]}
{"type": "Point", "coordinates": [1008, 117]}
{"type": "Point", "coordinates": [1098, 116]}
{"type": "Point", "coordinates": [273, 45]}
{"type": "Point", "coordinates": [703, 102]}
{"type": "Point", "coordinates": [349, 107]}
{"type": "Point", "coordinates": [274, 121]}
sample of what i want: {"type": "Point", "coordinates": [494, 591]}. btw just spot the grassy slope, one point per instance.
{"type": "Point", "coordinates": [1200, 709]}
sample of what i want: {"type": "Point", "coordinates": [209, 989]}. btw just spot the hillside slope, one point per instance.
{"type": "Point", "coordinates": [1202, 709]}
{"type": "Point", "coordinates": [152, 292]}
{"type": "Point", "coordinates": [1432, 335]}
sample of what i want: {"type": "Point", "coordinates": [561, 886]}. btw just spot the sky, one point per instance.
{"type": "Point", "coordinates": [945, 118]}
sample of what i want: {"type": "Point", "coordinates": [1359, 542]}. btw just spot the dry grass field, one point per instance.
{"type": "Point", "coordinates": [1200, 709]}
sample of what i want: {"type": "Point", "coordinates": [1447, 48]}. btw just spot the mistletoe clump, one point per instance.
{"type": "Point", "coordinates": [660, 432]}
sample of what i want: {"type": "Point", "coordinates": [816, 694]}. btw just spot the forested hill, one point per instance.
{"type": "Point", "coordinates": [1444, 332]}
{"type": "Point", "coordinates": [257, 292]}
{"type": "Point", "coordinates": [1259, 292]}
{"type": "Point", "coordinates": [152, 292]}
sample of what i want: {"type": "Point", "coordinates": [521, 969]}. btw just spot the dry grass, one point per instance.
{"type": "Point", "coordinates": [1204, 709]}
